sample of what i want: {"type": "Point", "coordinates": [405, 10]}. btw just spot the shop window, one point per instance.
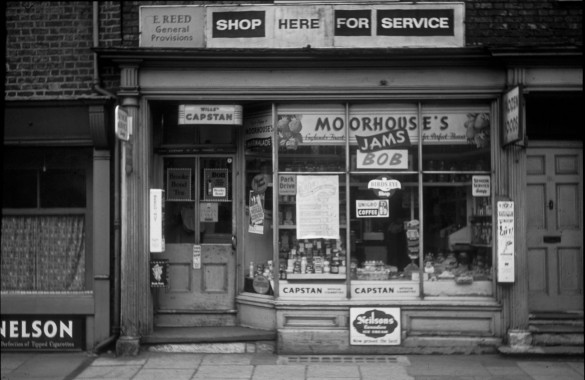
{"type": "Point", "coordinates": [384, 237]}
{"type": "Point", "coordinates": [44, 219]}
{"type": "Point", "coordinates": [414, 199]}
{"type": "Point", "coordinates": [457, 229]}
{"type": "Point", "coordinates": [312, 227]}
{"type": "Point", "coordinates": [311, 138]}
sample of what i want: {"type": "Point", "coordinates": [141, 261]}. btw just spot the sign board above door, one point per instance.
{"type": "Point", "coordinates": [302, 26]}
{"type": "Point", "coordinates": [204, 114]}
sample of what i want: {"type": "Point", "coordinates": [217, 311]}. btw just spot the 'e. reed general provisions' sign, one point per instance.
{"type": "Point", "coordinates": [299, 26]}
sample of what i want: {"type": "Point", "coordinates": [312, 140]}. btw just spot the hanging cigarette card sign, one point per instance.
{"type": "Point", "coordinates": [375, 326]}
{"type": "Point", "coordinates": [505, 239]}
{"type": "Point", "coordinates": [179, 184]}
{"type": "Point", "coordinates": [512, 114]}
{"type": "Point", "coordinates": [216, 185]}
{"type": "Point", "coordinates": [123, 125]}
{"type": "Point", "coordinates": [317, 207]}
{"type": "Point", "coordinates": [157, 217]}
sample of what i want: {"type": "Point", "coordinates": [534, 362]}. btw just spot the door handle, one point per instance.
{"type": "Point", "coordinates": [234, 242]}
{"type": "Point", "coordinates": [551, 205]}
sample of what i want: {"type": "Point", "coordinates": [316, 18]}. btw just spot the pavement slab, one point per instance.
{"type": "Point", "coordinates": [177, 361]}
{"type": "Point", "coordinates": [206, 372]}
{"type": "Point", "coordinates": [196, 366]}
{"type": "Point", "coordinates": [272, 372]}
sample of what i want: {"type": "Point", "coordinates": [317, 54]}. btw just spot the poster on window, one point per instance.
{"type": "Point", "coordinates": [159, 274]}
{"type": "Point", "coordinates": [317, 207]}
{"type": "Point", "coordinates": [375, 326]}
{"type": "Point", "coordinates": [179, 184]}
{"type": "Point", "coordinates": [209, 212]}
{"type": "Point", "coordinates": [375, 208]}
{"type": "Point", "coordinates": [256, 225]}
{"type": "Point", "coordinates": [505, 236]}
{"type": "Point", "coordinates": [216, 183]}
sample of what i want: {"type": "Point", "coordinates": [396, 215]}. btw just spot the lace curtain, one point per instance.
{"type": "Point", "coordinates": [43, 253]}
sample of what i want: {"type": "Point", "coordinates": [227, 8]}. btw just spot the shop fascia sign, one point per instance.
{"type": "Point", "coordinates": [301, 26]}
{"type": "Point", "coordinates": [210, 114]}
{"type": "Point", "coordinates": [387, 128]}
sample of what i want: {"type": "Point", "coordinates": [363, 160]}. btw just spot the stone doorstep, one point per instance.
{"type": "Point", "coordinates": [542, 350]}
{"type": "Point", "coordinates": [265, 347]}
{"type": "Point", "coordinates": [556, 327]}
{"type": "Point", "coordinates": [557, 339]}
{"type": "Point", "coordinates": [193, 335]}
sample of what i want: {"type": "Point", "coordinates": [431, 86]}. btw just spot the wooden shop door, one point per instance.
{"type": "Point", "coordinates": [555, 227]}
{"type": "Point", "coordinates": [200, 243]}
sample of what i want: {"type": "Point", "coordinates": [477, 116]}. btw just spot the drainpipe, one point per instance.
{"type": "Point", "coordinates": [96, 76]}
{"type": "Point", "coordinates": [96, 87]}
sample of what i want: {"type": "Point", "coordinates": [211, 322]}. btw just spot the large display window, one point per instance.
{"type": "Point", "coordinates": [378, 200]}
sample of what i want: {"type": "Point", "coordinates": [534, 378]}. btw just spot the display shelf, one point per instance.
{"type": "Point", "coordinates": [315, 276]}
{"type": "Point", "coordinates": [294, 226]}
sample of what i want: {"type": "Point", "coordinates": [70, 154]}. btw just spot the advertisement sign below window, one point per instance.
{"type": "Point", "coordinates": [42, 333]}
{"type": "Point", "coordinates": [375, 326]}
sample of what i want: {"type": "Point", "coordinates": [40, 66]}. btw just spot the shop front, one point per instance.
{"type": "Point", "coordinates": [352, 199]}
{"type": "Point", "coordinates": [55, 286]}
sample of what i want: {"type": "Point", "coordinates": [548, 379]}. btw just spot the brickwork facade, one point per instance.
{"type": "Point", "coordinates": [49, 44]}
{"type": "Point", "coordinates": [49, 48]}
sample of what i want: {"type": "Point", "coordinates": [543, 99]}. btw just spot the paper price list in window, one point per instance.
{"type": "Point", "coordinates": [317, 207]}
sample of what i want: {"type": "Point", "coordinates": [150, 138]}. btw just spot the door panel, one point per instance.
{"type": "Point", "coordinates": [199, 225]}
{"type": "Point", "coordinates": [555, 230]}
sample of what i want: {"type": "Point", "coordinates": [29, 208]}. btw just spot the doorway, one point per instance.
{"type": "Point", "coordinates": [555, 226]}
{"type": "Point", "coordinates": [199, 228]}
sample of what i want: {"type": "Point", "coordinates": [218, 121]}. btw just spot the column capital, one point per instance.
{"type": "Point", "coordinates": [129, 98]}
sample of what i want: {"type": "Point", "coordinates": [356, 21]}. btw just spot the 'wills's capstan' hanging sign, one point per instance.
{"type": "Point", "coordinates": [210, 114]}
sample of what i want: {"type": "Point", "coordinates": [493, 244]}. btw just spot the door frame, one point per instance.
{"type": "Point", "coordinates": [158, 182]}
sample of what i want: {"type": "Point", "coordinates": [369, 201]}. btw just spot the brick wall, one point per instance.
{"type": "Point", "coordinates": [49, 56]}
{"type": "Point", "coordinates": [529, 23]}
{"type": "Point", "coordinates": [494, 23]}
{"type": "Point", "coordinates": [48, 47]}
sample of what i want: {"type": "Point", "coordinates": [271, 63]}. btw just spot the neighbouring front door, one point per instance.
{"type": "Point", "coordinates": [555, 227]}
{"type": "Point", "coordinates": [199, 230]}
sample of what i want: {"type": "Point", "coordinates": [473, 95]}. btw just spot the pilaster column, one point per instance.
{"type": "Point", "coordinates": [512, 173]}
{"type": "Point", "coordinates": [134, 256]}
